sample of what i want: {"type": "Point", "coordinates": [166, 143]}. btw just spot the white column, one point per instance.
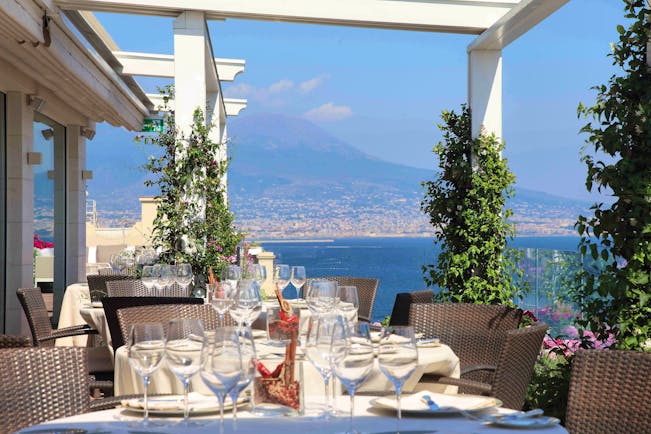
{"type": "Point", "coordinates": [20, 209]}
{"type": "Point", "coordinates": [485, 91]}
{"type": "Point", "coordinates": [189, 67]}
{"type": "Point", "coordinates": [75, 205]}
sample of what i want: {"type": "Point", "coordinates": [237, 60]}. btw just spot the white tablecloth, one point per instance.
{"type": "Point", "coordinates": [75, 297]}
{"type": "Point", "coordinates": [95, 317]}
{"type": "Point", "coordinates": [437, 360]}
{"type": "Point", "coordinates": [366, 420]}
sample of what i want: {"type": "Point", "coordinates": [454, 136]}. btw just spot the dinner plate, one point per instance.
{"type": "Point", "coordinates": [523, 422]}
{"type": "Point", "coordinates": [259, 334]}
{"type": "Point", "coordinates": [482, 403]}
{"type": "Point", "coordinates": [198, 407]}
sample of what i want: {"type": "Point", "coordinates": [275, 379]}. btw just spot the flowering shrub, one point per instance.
{"type": "Point", "coordinates": [40, 244]}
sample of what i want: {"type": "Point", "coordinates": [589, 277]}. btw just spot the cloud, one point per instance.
{"type": "Point", "coordinates": [239, 90]}
{"type": "Point", "coordinates": [280, 86]}
{"type": "Point", "coordinates": [329, 112]}
{"type": "Point", "coordinates": [311, 84]}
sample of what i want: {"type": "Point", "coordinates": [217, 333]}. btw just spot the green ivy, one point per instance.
{"type": "Point", "coordinates": [193, 223]}
{"type": "Point", "coordinates": [615, 297]}
{"type": "Point", "coordinates": [465, 204]}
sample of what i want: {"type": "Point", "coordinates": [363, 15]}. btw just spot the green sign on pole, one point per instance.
{"type": "Point", "coordinates": [152, 125]}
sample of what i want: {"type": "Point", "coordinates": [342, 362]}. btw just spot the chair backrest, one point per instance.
{"type": "Point", "coordinates": [163, 313]}
{"type": "Point", "coordinates": [126, 288]}
{"type": "Point", "coordinates": [97, 284]}
{"type": "Point", "coordinates": [176, 290]}
{"type": "Point", "coordinates": [366, 291]}
{"type": "Point", "coordinates": [110, 272]}
{"type": "Point", "coordinates": [610, 392]}
{"type": "Point", "coordinates": [400, 312]}
{"type": "Point", "coordinates": [40, 384]}
{"type": "Point", "coordinates": [516, 363]}
{"type": "Point", "coordinates": [33, 305]}
{"type": "Point", "coordinates": [112, 304]}
{"type": "Point", "coordinates": [475, 332]}
{"type": "Point", "coordinates": [14, 341]}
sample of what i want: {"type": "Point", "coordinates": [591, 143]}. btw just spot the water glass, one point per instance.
{"type": "Point", "coordinates": [184, 275]}
{"type": "Point", "coordinates": [321, 296]}
{"type": "Point", "coordinates": [348, 302]}
{"type": "Point", "coordinates": [398, 357]}
{"type": "Point", "coordinates": [221, 364]}
{"type": "Point", "coordinates": [258, 273]}
{"type": "Point", "coordinates": [183, 353]}
{"type": "Point", "coordinates": [282, 275]}
{"type": "Point", "coordinates": [146, 349]}
{"type": "Point", "coordinates": [148, 276]}
{"type": "Point", "coordinates": [249, 365]}
{"type": "Point", "coordinates": [247, 304]}
{"type": "Point", "coordinates": [298, 279]}
{"type": "Point", "coordinates": [222, 297]}
{"type": "Point", "coordinates": [353, 349]}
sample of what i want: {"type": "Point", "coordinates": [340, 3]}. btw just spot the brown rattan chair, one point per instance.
{"type": "Point", "coordinates": [176, 290]}
{"type": "Point", "coordinates": [14, 341]}
{"type": "Point", "coordinates": [163, 313]}
{"type": "Point", "coordinates": [400, 312]}
{"type": "Point", "coordinates": [112, 304]}
{"type": "Point", "coordinates": [366, 291]}
{"type": "Point", "coordinates": [39, 384]}
{"type": "Point", "coordinates": [610, 392]}
{"type": "Point", "coordinates": [109, 272]}
{"type": "Point", "coordinates": [126, 288]}
{"type": "Point", "coordinates": [97, 284]}
{"type": "Point", "coordinates": [43, 334]}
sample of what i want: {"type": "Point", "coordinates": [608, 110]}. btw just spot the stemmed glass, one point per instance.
{"type": "Point", "coordinates": [321, 296]}
{"type": "Point", "coordinates": [353, 349]}
{"type": "Point", "coordinates": [247, 303]}
{"type": "Point", "coordinates": [249, 363]}
{"type": "Point", "coordinates": [165, 278]}
{"type": "Point", "coordinates": [221, 364]}
{"type": "Point", "coordinates": [398, 357]}
{"type": "Point", "coordinates": [318, 350]}
{"type": "Point", "coordinates": [222, 298]}
{"type": "Point", "coordinates": [148, 277]}
{"type": "Point", "coordinates": [258, 273]}
{"type": "Point", "coordinates": [183, 353]}
{"type": "Point", "coordinates": [348, 302]}
{"type": "Point", "coordinates": [146, 349]}
{"type": "Point", "coordinates": [298, 278]}
{"type": "Point", "coordinates": [184, 276]}
{"type": "Point", "coordinates": [158, 280]}
{"type": "Point", "coordinates": [282, 275]}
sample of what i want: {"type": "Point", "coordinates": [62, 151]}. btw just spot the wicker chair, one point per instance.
{"type": "Point", "coordinates": [112, 304]}
{"type": "Point", "coordinates": [610, 392]}
{"type": "Point", "coordinates": [39, 384]}
{"type": "Point", "coordinates": [97, 284]}
{"type": "Point", "coordinates": [43, 335]}
{"type": "Point", "coordinates": [163, 313]}
{"type": "Point", "coordinates": [109, 272]}
{"type": "Point", "coordinates": [14, 341]}
{"type": "Point", "coordinates": [126, 288]}
{"type": "Point", "coordinates": [366, 291]}
{"type": "Point", "coordinates": [176, 290]}
{"type": "Point", "coordinates": [400, 312]}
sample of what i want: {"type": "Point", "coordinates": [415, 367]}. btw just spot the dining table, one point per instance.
{"type": "Point", "coordinates": [368, 417]}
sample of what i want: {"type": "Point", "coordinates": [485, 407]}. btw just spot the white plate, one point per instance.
{"type": "Point", "coordinates": [524, 422]}
{"type": "Point", "coordinates": [259, 334]}
{"type": "Point", "coordinates": [389, 404]}
{"type": "Point", "coordinates": [208, 405]}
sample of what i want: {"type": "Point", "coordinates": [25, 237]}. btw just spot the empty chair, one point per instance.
{"type": "Point", "coordinates": [39, 384]}
{"type": "Point", "coordinates": [112, 304]}
{"type": "Point", "coordinates": [126, 288]}
{"type": "Point", "coordinates": [107, 271]}
{"type": "Point", "coordinates": [400, 312]}
{"type": "Point", "coordinates": [366, 291]}
{"type": "Point", "coordinates": [97, 284]}
{"type": "Point", "coordinates": [14, 341]}
{"type": "Point", "coordinates": [610, 392]}
{"type": "Point", "coordinates": [176, 290]}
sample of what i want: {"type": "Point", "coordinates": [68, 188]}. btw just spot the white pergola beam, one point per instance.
{"type": "Point", "coordinates": [233, 106]}
{"type": "Point", "coordinates": [450, 16]}
{"type": "Point", "coordinates": [515, 23]}
{"type": "Point", "coordinates": [162, 65]}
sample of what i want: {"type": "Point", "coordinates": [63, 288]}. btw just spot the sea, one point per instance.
{"type": "Point", "coordinates": [397, 262]}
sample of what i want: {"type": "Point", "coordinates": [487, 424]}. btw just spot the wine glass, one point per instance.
{"type": "Point", "coordinates": [247, 303]}
{"type": "Point", "coordinates": [164, 278]}
{"type": "Point", "coordinates": [231, 274]}
{"type": "Point", "coordinates": [148, 277]}
{"type": "Point", "coordinates": [258, 273]}
{"type": "Point", "coordinates": [348, 302]}
{"type": "Point", "coordinates": [249, 364]}
{"type": "Point", "coordinates": [146, 349]}
{"type": "Point", "coordinates": [353, 349]}
{"type": "Point", "coordinates": [184, 276]}
{"type": "Point", "coordinates": [221, 298]}
{"type": "Point", "coordinates": [298, 278]}
{"type": "Point", "coordinates": [183, 353]}
{"type": "Point", "coordinates": [221, 364]}
{"type": "Point", "coordinates": [158, 281]}
{"type": "Point", "coordinates": [398, 357]}
{"type": "Point", "coordinates": [282, 276]}
{"type": "Point", "coordinates": [318, 350]}
{"type": "Point", "coordinates": [321, 296]}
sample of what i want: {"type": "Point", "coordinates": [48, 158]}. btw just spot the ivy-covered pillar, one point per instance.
{"type": "Point", "coordinates": [485, 91]}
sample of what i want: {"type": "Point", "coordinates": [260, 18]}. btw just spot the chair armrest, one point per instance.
{"type": "Point", "coordinates": [482, 388]}
{"type": "Point", "coordinates": [113, 401]}
{"type": "Point", "coordinates": [475, 368]}
{"type": "Point", "coordinates": [65, 333]}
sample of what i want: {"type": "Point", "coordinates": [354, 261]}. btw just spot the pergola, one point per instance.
{"type": "Point", "coordinates": [42, 58]}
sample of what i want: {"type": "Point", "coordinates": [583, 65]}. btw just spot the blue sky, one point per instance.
{"type": "Point", "coordinates": [383, 91]}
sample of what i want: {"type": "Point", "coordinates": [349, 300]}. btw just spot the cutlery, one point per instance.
{"type": "Point", "coordinates": [430, 403]}
{"type": "Point", "coordinates": [523, 415]}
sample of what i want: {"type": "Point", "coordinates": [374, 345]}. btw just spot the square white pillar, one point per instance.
{"type": "Point", "coordinates": [485, 91]}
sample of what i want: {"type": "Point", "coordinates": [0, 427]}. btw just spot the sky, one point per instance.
{"type": "Point", "coordinates": [382, 91]}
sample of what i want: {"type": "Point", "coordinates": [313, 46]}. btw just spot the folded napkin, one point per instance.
{"type": "Point", "coordinates": [196, 401]}
{"type": "Point", "coordinates": [428, 343]}
{"type": "Point", "coordinates": [445, 402]}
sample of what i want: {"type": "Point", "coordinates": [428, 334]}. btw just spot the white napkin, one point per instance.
{"type": "Point", "coordinates": [196, 401]}
{"type": "Point", "coordinates": [445, 402]}
{"type": "Point", "coordinates": [430, 343]}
